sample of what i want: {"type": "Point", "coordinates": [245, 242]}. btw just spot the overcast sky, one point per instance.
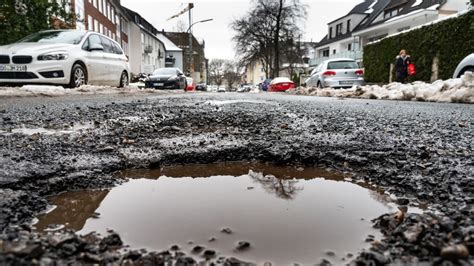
{"type": "Point", "coordinates": [217, 33]}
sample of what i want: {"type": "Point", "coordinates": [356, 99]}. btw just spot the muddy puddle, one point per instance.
{"type": "Point", "coordinates": [287, 214]}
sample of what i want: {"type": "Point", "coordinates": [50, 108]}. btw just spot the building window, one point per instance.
{"type": "Point", "coordinates": [334, 51]}
{"type": "Point", "coordinates": [330, 32]}
{"type": "Point", "coordinates": [96, 25]}
{"type": "Point", "coordinates": [391, 13]}
{"type": "Point", "coordinates": [100, 6]}
{"type": "Point", "coordinates": [96, 3]}
{"type": "Point", "coordinates": [349, 47]}
{"type": "Point", "coordinates": [338, 29]}
{"type": "Point", "coordinates": [326, 53]}
{"type": "Point", "coordinates": [348, 26]}
{"type": "Point", "coordinates": [90, 23]}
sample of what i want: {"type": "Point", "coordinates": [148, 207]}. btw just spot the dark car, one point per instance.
{"type": "Point", "coordinates": [264, 84]}
{"type": "Point", "coordinates": [201, 87]}
{"type": "Point", "coordinates": [166, 78]}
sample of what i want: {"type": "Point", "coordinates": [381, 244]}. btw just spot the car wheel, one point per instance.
{"type": "Point", "coordinates": [470, 69]}
{"type": "Point", "coordinates": [123, 80]}
{"type": "Point", "coordinates": [78, 76]}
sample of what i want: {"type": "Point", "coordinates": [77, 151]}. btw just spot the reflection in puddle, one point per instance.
{"type": "Point", "coordinates": [287, 214]}
{"type": "Point", "coordinates": [50, 131]}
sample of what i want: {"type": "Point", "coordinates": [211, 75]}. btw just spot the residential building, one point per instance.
{"type": "Point", "coordinates": [254, 73]}
{"type": "Point", "coordinates": [147, 52]}
{"type": "Point", "coordinates": [181, 39]}
{"type": "Point", "coordinates": [103, 16]}
{"type": "Point", "coordinates": [375, 19]}
{"type": "Point", "coordinates": [173, 54]}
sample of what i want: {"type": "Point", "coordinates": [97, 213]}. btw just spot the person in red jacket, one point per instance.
{"type": "Point", "coordinates": [401, 66]}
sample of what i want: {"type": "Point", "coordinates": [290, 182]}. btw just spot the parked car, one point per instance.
{"type": "Point", "coordinates": [71, 58]}
{"type": "Point", "coordinates": [166, 78]}
{"type": "Point", "coordinates": [336, 73]}
{"type": "Point", "coordinates": [221, 89]}
{"type": "Point", "coordinates": [245, 88]}
{"type": "Point", "coordinates": [264, 84]}
{"type": "Point", "coordinates": [281, 84]}
{"type": "Point", "coordinates": [191, 85]}
{"type": "Point", "coordinates": [201, 86]}
{"type": "Point", "coordinates": [467, 64]}
{"type": "Point", "coordinates": [212, 88]}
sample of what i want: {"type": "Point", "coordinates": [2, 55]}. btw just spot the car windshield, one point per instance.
{"type": "Point", "coordinates": [70, 37]}
{"type": "Point", "coordinates": [342, 65]}
{"type": "Point", "coordinates": [165, 71]}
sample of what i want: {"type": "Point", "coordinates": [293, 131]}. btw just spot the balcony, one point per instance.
{"type": "Point", "coordinates": [356, 55]}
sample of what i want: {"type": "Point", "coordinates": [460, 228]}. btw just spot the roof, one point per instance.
{"type": "Point", "coordinates": [405, 7]}
{"type": "Point", "coordinates": [362, 8]}
{"type": "Point", "coordinates": [169, 45]}
{"type": "Point", "coordinates": [370, 8]}
{"type": "Point", "coordinates": [375, 8]}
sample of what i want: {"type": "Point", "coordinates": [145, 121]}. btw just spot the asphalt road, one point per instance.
{"type": "Point", "coordinates": [420, 153]}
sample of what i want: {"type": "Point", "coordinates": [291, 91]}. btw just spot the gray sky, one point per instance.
{"type": "Point", "coordinates": [217, 33]}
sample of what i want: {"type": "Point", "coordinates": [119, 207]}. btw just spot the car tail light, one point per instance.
{"type": "Point", "coordinates": [329, 73]}
{"type": "Point", "coordinates": [359, 72]}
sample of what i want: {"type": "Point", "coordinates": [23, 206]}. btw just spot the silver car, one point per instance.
{"type": "Point", "coordinates": [336, 73]}
{"type": "Point", "coordinates": [467, 64]}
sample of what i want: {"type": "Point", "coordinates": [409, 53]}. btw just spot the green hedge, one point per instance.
{"type": "Point", "coordinates": [451, 40]}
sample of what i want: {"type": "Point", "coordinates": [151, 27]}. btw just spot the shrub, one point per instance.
{"type": "Point", "coordinates": [450, 40]}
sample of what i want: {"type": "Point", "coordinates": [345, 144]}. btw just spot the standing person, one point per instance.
{"type": "Point", "coordinates": [401, 66]}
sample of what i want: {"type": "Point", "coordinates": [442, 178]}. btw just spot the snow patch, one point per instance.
{"type": "Point", "coordinates": [54, 91]}
{"type": "Point", "coordinates": [459, 90]}
{"type": "Point", "coordinates": [417, 3]}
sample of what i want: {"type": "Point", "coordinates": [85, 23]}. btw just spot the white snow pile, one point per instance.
{"type": "Point", "coordinates": [52, 91]}
{"type": "Point", "coordinates": [459, 90]}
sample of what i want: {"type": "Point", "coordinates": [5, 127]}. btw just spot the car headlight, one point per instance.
{"type": "Point", "coordinates": [173, 78]}
{"type": "Point", "coordinates": [53, 56]}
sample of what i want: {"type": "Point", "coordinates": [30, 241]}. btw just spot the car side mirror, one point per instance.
{"type": "Point", "coordinates": [96, 47]}
{"type": "Point", "coordinates": [180, 74]}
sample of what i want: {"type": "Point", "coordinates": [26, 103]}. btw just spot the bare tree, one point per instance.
{"type": "Point", "coordinates": [231, 73]}
{"type": "Point", "coordinates": [180, 26]}
{"type": "Point", "coordinates": [217, 71]}
{"type": "Point", "coordinates": [260, 33]}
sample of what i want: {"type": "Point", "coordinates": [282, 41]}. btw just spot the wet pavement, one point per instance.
{"type": "Point", "coordinates": [418, 153]}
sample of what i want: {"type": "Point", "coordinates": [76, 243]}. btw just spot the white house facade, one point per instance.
{"type": "Point", "coordinates": [173, 54]}
{"type": "Point", "coordinates": [147, 52]}
{"type": "Point", "coordinates": [375, 19]}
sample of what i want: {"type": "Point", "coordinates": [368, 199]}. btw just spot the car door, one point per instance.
{"type": "Point", "coordinates": [95, 59]}
{"type": "Point", "coordinates": [112, 63]}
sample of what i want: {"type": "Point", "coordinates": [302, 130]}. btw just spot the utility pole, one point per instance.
{"type": "Point", "coordinates": [191, 59]}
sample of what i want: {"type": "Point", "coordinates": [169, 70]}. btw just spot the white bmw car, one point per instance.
{"type": "Point", "coordinates": [64, 57]}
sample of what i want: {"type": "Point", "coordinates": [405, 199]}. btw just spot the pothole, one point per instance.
{"type": "Point", "coordinates": [285, 214]}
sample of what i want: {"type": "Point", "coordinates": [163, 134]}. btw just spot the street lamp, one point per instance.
{"type": "Point", "coordinates": [191, 58]}
{"type": "Point", "coordinates": [201, 21]}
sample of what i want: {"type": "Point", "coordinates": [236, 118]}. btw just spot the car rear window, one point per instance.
{"type": "Point", "coordinates": [343, 65]}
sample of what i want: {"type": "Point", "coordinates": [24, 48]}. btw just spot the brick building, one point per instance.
{"type": "Point", "coordinates": [104, 16]}
{"type": "Point", "coordinates": [181, 39]}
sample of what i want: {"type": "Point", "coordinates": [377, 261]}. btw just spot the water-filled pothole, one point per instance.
{"type": "Point", "coordinates": [287, 214]}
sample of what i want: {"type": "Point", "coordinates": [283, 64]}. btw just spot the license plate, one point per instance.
{"type": "Point", "coordinates": [158, 84]}
{"type": "Point", "coordinates": [13, 68]}
{"type": "Point", "coordinates": [346, 82]}
{"type": "Point", "coordinates": [285, 84]}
